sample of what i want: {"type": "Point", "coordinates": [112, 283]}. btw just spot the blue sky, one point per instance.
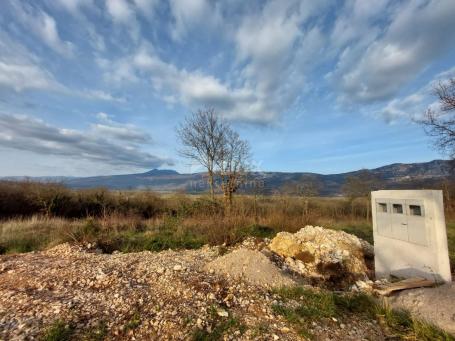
{"type": "Point", "coordinates": [98, 86]}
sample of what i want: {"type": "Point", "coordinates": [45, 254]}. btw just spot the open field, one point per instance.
{"type": "Point", "coordinates": [107, 295]}
{"type": "Point", "coordinates": [37, 216]}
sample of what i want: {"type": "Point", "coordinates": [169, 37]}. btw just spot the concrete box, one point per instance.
{"type": "Point", "coordinates": [410, 236]}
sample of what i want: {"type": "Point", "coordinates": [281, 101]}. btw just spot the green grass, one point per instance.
{"type": "Point", "coordinates": [260, 329]}
{"type": "Point", "coordinates": [403, 326]}
{"type": "Point", "coordinates": [134, 321]}
{"type": "Point", "coordinates": [97, 333]}
{"type": "Point", "coordinates": [58, 331]}
{"type": "Point", "coordinates": [312, 304]}
{"type": "Point", "coordinates": [220, 326]}
{"type": "Point", "coordinates": [301, 306]}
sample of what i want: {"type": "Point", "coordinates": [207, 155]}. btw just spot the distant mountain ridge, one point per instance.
{"type": "Point", "coordinates": [397, 175]}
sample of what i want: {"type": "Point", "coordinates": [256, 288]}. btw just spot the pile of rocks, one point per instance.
{"type": "Point", "coordinates": [323, 254]}
{"type": "Point", "coordinates": [136, 296]}
{"type": "Point", "coordinates": [152, 296]}
{"type": "Point", "coordinates": [252, 266]}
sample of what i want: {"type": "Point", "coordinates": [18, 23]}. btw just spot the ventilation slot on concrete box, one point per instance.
{"type": "Point", "coordinates": [415, 210]}
{"type": "Point", "coordinates": [398, 208]}
{"type": "Point", "coordinates": [382, 207]}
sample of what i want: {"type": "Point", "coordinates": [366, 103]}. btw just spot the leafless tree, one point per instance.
{"type": "Point", "coordinates": [440, 124]}
{"type": "Point", "coordinates": [202, 136]}
{"type": "Point", "coordinates": [232, 161]}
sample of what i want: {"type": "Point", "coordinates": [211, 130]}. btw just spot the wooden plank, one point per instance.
{"type": "Point", "coordinates": [409, 283]}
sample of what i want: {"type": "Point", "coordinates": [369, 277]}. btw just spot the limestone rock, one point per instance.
{"type": "Point", "coordinates": [323, 253]}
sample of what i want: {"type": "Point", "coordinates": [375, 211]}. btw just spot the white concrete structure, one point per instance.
{"type": "Point", "coordinates": [410, 234]}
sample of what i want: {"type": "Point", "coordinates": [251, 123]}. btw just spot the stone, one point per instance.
{"type": "Point", "coordinates": [323, 253]}
{"type": "Point", "coordinates": [178, 267]}
{"type": "Point", "coordinates": [222, 313]}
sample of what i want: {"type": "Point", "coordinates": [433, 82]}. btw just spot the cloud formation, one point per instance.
{"type": "Point", "coordinates": [280, 63]}
{"type": "Point", "coordinates": [415, 104]}
{"type": "Point", "coordinates": [20, 69]}
{"type": "Point", "coordinates": [43, 26]}
{"type": "Point", "coordinates": [418, 33]}
{"type": "Point", "coordinates": [273, 50]}
{"type": "Point", "coordinates": [108, 143]}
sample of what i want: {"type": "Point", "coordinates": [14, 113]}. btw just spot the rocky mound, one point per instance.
{"type": "Point", "coordinates": [251, 266]}
{"type": "Point", "coordinates": [166, 295]}
{"type": "Point", "coordinates": [329, 255]}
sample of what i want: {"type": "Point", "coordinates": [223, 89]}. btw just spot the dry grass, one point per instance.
{"type": "Point", "coordinates": [36, 216]}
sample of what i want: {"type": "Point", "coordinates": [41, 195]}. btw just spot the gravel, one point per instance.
{"type": "Point", "coordinates": [144, 296]}
{"type": "Point", "coordinates": [252, 266]}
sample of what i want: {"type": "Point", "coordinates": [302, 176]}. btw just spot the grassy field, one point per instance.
{"type": "Point", "coordinates": [38, 216]}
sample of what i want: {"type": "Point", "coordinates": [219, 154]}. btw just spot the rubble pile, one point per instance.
{"type": "Point", "coordinates": [252, 266]}
{"type": "Point", "coordinates": [324, 254]}
{"type": "Point", "coordinates": [181, 295]}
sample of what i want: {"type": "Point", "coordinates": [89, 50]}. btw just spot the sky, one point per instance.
{"type": "Point", "coordinates": [98, 87]}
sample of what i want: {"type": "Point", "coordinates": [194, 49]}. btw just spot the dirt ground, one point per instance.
{"type": "Point", "coordinates": [146, 296]}
{"type": "Point", "coordinates": [435, 305]}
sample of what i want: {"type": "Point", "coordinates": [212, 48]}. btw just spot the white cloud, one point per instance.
{"type": "Point", "coordinates": [20, 69]}
{"type": "Point", "coordinates": [120, 10]}
{"type": "Point", "coordinates": [195, 89]}
{"type": "Point", "coordinates": [146, 7]}
{"type": "Point", "coordinates": [277, 51]}
{"type": "Point", "coordinates": [128, 133]}
{"type": "Point", "coordinates": [47, 29]}
{"type": "Point", "coordinates": [357, 23]}
{"type": "Point", "coordinates": [20, 77]}
{"type": "Point", "coordinates": [44, 27]}
{"type": "Point", "coordinates": [417, 34]}
{"type": "Point", "coordinates": [273, 51]}
{"type": "Point", "coordinates": [29, 134]}
{"type": "Point", "coordinates": [188, 14]}
{"type": "Point", "coordinates": [414, 105]}
{"type": "Point", "coordinates": [102, 95]}
{"type": "Point", "coordinates": [117, 72]}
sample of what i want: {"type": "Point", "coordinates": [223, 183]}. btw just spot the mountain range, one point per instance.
{"type": "Point", "coordinates": [397, 175]}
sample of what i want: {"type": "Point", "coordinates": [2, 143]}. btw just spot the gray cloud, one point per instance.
{"type": "Point", "coordinates": [43, 26]}
{"type": "Point", "coordinates": [128, 133]}
{"type": "Point", "coordinates": [415, 104]}
{"type": "Point", "coordinates": [418, 33]}
{"type": "Point", "coordinates": [371, 51]}
{"type": "Point", "coordinates": [20, 69]}
{"type": "Point", "coordinates": [25, 133]}
{"type": "Point", "coordinates": [272, 54]}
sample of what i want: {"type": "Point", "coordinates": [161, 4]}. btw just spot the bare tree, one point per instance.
{"type": "Point", "coordinates": [440, 124]}
{"type": "Point", "coordinates": [202, 136]}
{"type": "Point", "coordinates": [232, 162]}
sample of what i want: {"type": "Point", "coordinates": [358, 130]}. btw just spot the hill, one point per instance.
{"type": "Point", "coordinates": [397, 175]}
